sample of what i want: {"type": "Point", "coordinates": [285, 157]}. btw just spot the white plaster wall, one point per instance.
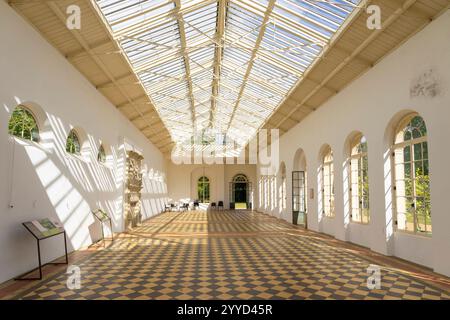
{"type": "Point", "coordinates": [41, 180]}
{"type": "Point", "coordinates": [368, 105]}
{"type": "Point", "coordinates": [182, 180]}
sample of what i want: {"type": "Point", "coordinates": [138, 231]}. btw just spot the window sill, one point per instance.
{"type": "Point", "coordinates": [26, 142]}
{"type": "Point", "coordinates": [77, 157]}
{"type": "Point", "coordinates": [360, 223]}
{"type": "Point", "coordinates": [414, 234]}
{"type": "Point", "coordinates": [105, 165]}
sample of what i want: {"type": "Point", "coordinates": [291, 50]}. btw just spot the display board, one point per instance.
{"type": "Point", "coordinates": [44, 228]}
{"type": "Point", "coordinates": [101, 215]}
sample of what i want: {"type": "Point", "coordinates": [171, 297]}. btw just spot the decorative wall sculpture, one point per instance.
{"type": "Point", "coordinates": [133, 187]}
{"type": "Point", "coordinates": [426, 85]}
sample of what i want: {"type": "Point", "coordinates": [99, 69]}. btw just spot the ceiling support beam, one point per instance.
{"type": "Point", "coordinates": [392, 18]}
{"type": "Point", "coordinates": [145, 114]}
{"type": "Point", "coordinates": [253, 57]}
{"type": "Point", "coordinates": [134, 102]}
{"type": "Point", "coordinates": [108, 84]}
{"type": "Point", "coordinates": [184, 52]}
{"type": "Point", "coordinates": [332, 42]}
{"type": "Point", "coordinates": [163, 139]}
{"type": "Point", "coordinates": [362, 60]}
{"type": "Point", "coordinates": [158, 20]}
{"type": "Point", "coordinates": [247, 95]}
{"type": "Point", "coordinates": [78, 36]}
{"type": "Point", "coordinates": [327, 87]}
{"type": "Point", "coordinates": [218, 54]}
{"type": "Point", "coordinates": [82, 52]}
{"type": "Point", "coordinates": [100, 17]}
{"type": "Point", "coordinates": [149, 123]}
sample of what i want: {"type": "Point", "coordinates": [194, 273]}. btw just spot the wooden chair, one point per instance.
{"type": "Point", "coordinates": [220, 205]}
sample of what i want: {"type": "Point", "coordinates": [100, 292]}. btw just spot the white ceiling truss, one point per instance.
{"type": "Point", "coordinates": [223, 65]}
{"type": "Point", "coordinates": [174, 68]}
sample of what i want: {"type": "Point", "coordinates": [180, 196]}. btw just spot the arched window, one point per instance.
{"type": "Point", "coordinates": [240, 178]}
{"type": "Point", "coordinates": [203, 189]}
{"type": "Point", "coordinates": [22, 124]}
{"type": "Point", "coordinates": [273, 192]}
{"type": "Point", "coordinates": [412, 180]}
{"type": "Point", "coordinates": [101, 156]}
{"type": "Point", "coordinates": [328, 183]}
{"type": "Point", "coordinates": [73, 143]}
{"type": "Point", "coordinates": [359, 180]}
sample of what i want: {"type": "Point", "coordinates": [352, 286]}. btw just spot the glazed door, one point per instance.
{"type": "Point", "coordinates": [298, 198]}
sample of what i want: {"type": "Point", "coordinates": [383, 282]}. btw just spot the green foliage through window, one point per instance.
{"type": "Point", "coordinates": [413, 179]}
{"type": "Point", "coordinates": [417, 190]}
{"type": "Point", "coordinates": [415, 129]}
{"type": "Point", "coordinates": [203, 189]}
{"type": "Point", "coordinates": [101, 157]}
{"type": "Point", "coordinates": [359, 182]}
{"type": "Point", "coordinates": [73, 143]}
{"type": "Point", "coordinates": [23, 125]}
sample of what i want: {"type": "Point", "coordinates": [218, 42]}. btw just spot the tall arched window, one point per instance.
{"type": "Point", "coordinates": [359, 180]}
{"type": "Point", "coordinates": [328, 183]}
{"type": "Point", "coordinates": [203, 189]}
{"type": "Point", "coordinates": [412, 180]}
{"type": "Point", "coordinates": [101, 156]}
{"type": "Point", "coordinates": [273, 192]}
{"type": "Point", "coordinates": [23, 124]}
{"type": "Point", "coordinates": [73, 143]}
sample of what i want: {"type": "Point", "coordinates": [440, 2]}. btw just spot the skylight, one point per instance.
{"type": "Point", "coordinates": [222, 65]}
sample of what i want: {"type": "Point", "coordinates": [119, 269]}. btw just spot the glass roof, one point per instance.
{"type": "Point", "coordinates": [222, 65]}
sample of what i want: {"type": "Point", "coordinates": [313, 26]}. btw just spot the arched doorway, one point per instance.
{"type": "Point", "coordinates": [239, 192]}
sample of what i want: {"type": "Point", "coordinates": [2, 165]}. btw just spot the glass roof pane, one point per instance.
{"type": "Point", "coordinates": [200, 75]}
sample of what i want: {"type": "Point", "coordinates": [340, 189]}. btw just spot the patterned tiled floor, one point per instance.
{"type": "Point", "coordinates": [229, 255]}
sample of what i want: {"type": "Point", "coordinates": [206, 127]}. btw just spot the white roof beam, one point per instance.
{"type": "Point", "coordinates": [220, 31]}
{"type": "Point", "coordinates": [386, 23]}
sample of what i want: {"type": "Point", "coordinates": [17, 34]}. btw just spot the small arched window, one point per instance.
{"type": "Point", "coordinates": [23, 124]}
{"type": "Point", "coordinates": [328, 183]}
{"type": "Point", "coordinates": [203, 189]}
{"type": "Point", "coordinates": [101, 156]}
{"type": "Point", "coordinates": [359, 180]}
{"type": "Point", "coordinates": [412, 179]}
{"type": "Point", "coordinates": [73, 143]}
{"type": "Point", "coordinates": [240, 178]}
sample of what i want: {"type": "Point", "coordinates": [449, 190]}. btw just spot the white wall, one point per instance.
{"type": "Point", "coordinates": [368, 105]}
{"type": "Point", "coordinates": [42, 180]}
{"type": "Point", "coordinates": [182, 180]}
